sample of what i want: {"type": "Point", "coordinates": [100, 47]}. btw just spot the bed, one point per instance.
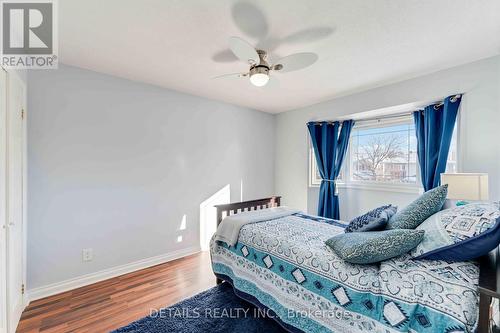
{"type": "Point", "coordinates": [283, 266]}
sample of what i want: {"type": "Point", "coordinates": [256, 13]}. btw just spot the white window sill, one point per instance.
{"type": "Point", "coordinates": [385, 187]}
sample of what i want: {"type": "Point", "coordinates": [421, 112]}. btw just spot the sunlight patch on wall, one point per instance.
{"type": "Point", "coordinates": [208, 223]}
{"type": "Point", "coordinates": [241, 190]}
{"type": "Point", "coordinates": [183, 223]}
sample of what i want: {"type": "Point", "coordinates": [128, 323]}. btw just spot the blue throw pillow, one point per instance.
{"type": "Point", "coordinates": [374, 246]}
{"type": "Point", "coordinates": [460, 233]}
{"type": "Point", "coordinates": [375, 219]}
{"type": "Point", "coordinates": [419, 210]}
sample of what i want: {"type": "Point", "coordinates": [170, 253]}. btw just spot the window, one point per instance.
{"type": "Point", "coordinates": [452, 162]}
{"type": "Point", "coordinates": [314, 176]}
{"type": "Point", "coordinates": [383, 152]}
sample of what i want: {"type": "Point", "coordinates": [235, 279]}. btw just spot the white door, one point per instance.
{"type": "Point", "coordinates": [15, 134]}
{"type": "Point", "coordinates": [3, 198]}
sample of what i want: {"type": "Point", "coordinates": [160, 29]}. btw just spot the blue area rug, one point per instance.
{"type": "Point", "coordinates": [215, 310]}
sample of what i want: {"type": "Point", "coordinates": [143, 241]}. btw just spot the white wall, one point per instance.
{"type": "Point", "coordinates": [114, 165]}
{"type": "Point", "coordinates": [355, 201]}
{"type": "Point", "coordinates": [479, 133]}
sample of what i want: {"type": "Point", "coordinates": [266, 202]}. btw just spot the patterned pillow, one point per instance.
{"type": "Point", "coordinates": [375, 219]}
{"type": "Point", "coordinates": [374, 246]}
{"type": "Point", "coordinates": [460, 233]}
{"type": "Point", "coordinates": [419, 210]}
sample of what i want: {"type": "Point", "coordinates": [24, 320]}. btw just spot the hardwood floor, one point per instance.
{"type": "Point", "coordinates": [113, 303]}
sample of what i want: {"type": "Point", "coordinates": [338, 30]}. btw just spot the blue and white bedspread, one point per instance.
{"type": "Point", "coordinates": [284, 266]}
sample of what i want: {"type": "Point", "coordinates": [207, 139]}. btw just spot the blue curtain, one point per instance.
{"type": "Point", "coordinates": [434, 126]}
{"type": "Point", "coordinates": [330, 147]}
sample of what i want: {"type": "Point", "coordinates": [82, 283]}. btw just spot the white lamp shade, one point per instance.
{"type": "Point", "coordinates": [466, 186]}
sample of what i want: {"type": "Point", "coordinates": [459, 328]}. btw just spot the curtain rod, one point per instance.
{"type": "Point", "coordinates": [453, 100]}
{"type": "Point", "coordinates": [379, 118]}
{"type": "Point", "coordinates": [389, 116]}
{"type": "Point", "coordinates": [437, 104]}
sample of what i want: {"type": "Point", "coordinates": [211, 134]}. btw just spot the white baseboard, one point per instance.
{"type": "Point", "coordinates": [84, 280]}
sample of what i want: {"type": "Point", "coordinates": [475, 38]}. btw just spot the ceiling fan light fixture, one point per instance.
{"type": "Point", "coordinates": [259, 76]}
{"type": "Point", "coordinates": [259, 65]}
{"type": "Point", "coordinates": [259, 80]}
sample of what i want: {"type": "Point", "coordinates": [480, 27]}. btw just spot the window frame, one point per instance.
{"type": "Point", "coordinates": [345, 182]}
{"type": "Point", "coordinates": [313, 180]}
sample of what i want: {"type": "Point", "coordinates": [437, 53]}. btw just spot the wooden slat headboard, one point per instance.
{"type": "Point", "coordinates": [238, 207]}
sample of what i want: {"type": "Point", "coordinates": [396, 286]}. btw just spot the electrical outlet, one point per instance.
{"type": "Point", "coordinates": [87, 255]}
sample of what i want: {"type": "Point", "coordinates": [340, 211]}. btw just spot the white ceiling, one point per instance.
{"type": "Point", "coordinates": [178, 44]}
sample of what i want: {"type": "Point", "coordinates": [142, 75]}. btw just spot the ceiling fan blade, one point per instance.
{"type": "Point", "coordinates": [232, 75]}
{"type": "Point", "coordinates": [243, 50]}
{"type": "Point", "coordinates": [295, 61]}
{"type": "Point", "coordinates": [273, 82]}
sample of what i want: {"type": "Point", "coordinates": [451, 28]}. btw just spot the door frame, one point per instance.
{"type": "Point", "coordinates": [11, 319]}
{"type": "Point", "coordinates": [26, 300]}
{"type": "Point", "coordinates": [3, 210]}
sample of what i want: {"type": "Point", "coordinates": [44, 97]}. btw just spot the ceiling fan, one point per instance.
{"type": "Point", "coordinates": [260, 68]}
